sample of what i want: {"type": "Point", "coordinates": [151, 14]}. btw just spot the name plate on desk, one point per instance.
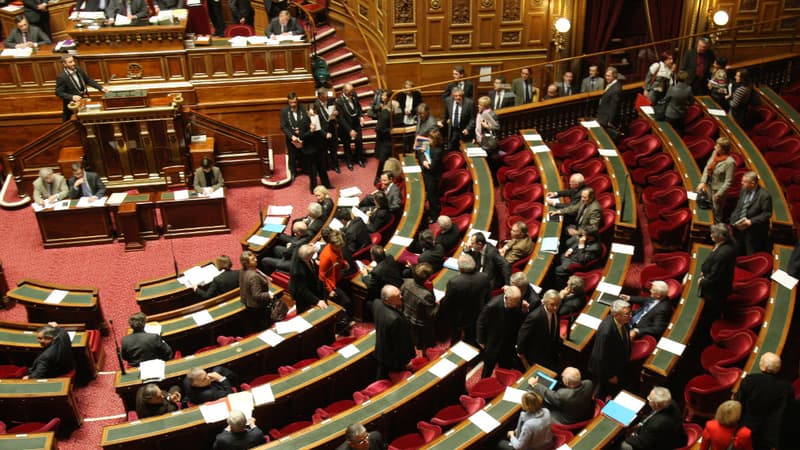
{"type": "Point", "coordinates": [131, 98]}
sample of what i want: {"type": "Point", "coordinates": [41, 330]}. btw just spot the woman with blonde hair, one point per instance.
{"type": "Point", "coordinates": [533, 427]}
{"type": "Point", "coordinates": [324, 199]}
{"type": "Point", "coordinates": [724, 431]}
{"type": "Point", "coordinates": [393, 165]}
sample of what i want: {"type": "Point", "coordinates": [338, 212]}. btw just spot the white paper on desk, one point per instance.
{"type": "Point", "coordinates": [117, 198]}
{"type": "Point", "coordinates": [691, 195]}
{"type": "Point", "coordinates": [152, 369]}
{"type": "Point", "coordinates": [218, 193]}
{"type": "Point", "coordinates": [588, 321]}
{"type": "Point", "coordinates": [438, 294]}
{"type": "Point", "coordinates": [360, 214]}
{"type": "Point", "coordinates": [352, 191]}
{"type": "Point", "coordinates": [628, 401]}
{"type": "Point", "coordinates": [564, 447]}
{"type": "Point", "coordinates": [17, 52]}
{"type": "Point", "coordinates": [277, 220]}
{"type": "Point", "coordinates": [549, 244]}
{"type": "Point", "coordinates": [215, 412]}
{"type": "Point", "coordinates": [122, 20]}
{"type": "Point", "coordinates": [263, 394]}
{"type": "Point", "coordinates": [275, 210]}
{"type": "Point", "coordinates": [257, 240]}
{"type": "Point", "coordinates": [209, 272]}
{"type": "Point", "coordinates": [271, 338]}
{"type": "Point", "coordinates": [202, 317]}
{"type": "Point", "coordinates": [784, 279]}
{"type": "Point", "coordinates": [607, 152]}
{"type": "Point", "coordinates": [300, 324]}
{"type": "Point", "coordinates": [476, 152]}
{"type": "Point", "coordinates": [717, 112]}
{"type": "Point", "coordinates": [347, 202]}
{"type": "Point", "coordinates": [464, 351]}
{"type": "Point", "coordinates": [238, 41]}
{"type": "Point", "coordinates": [194, 2]}
{"type": "Point", "coordinates": [62, 205]}
{"type": "Point", "coordinates": [71, 335]}
{"type": "Point", "coordinates": [648, 110]}
{"type": "Point", "coordinates": [540, 149]}
{"type": "Point", "coordinates": [348, 350]}
{"type": "Point", "coordinates": [12, 8]}
{"type": "Point", "coordinates": [442, 368]}
{"type": "Point", "coordinates": [83, 202]}
{"type": "Point", "coordinates": [613, 289]}
{"type": "Point", "coordinates": [484, 421]}
{"type": "Point", "coordinates": [590, 124]}
{"type": "Point", "coordinates": [199, 138]}
{"type": "Point", "coordinates": [183, 194]}
{"type": "Point", "coordinates": [513, 395]}
{"type": "Point", "coordinates": [284, 327]}
{"type": "Point", "coordinates": [152, 327]}
{"type": "Point", "coordinates": [242, 401]}
{"type": "Point", "coordinates": [532, 137]}
{"type": "Point", "coordinates": [335, 224]}
{"type": "Point", "coordinates": [37, 207]}
{"type": "Point", "coordinates": [625, 249]}
{"type": "Point", "coordinates": [193, 276]}
{"type": "Point", "coordinates": [56, 297]}
{"type": "Point", "coordinates": [401, 240]}
{"type": "Point", "coordinates": [674, 347]}
{"type": "Point", "coordinates": [451, 263]}
{"type": "Point", "coordinates": [260, 40]}
{"type": "Point", "coordinates": [412, 169]}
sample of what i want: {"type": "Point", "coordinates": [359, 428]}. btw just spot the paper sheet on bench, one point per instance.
{"type": "Point", "coordinates": [438, 294]}
{"type": "Point", "coordinates": [275, 210]}
{"type": "Point", "coordinates": [182, 194]}
{"type": "Point", "coordinates": [263, 394]}
{"type": "Point", "coordinates": [484, 421]}
{"type": "Point", "coordinates": [401, 240]}
{"type": "Point", "coordinates": [215, 412]}
{"type": "Point", "coordinates": [412, 169]}
{"type": "Point", "coordinates": [117, 198]}
{"type": "Point", "coordinates": [717, 112]}
{"type": "Point", "coordinates": [607, 152]}
{"type": "Point", "coordinates": [360, 214]}
{"type": "Point", "coordinates": [347, 202]}
{"type": "Point", "coordinates": [202, 317]}
{"type": "Point", "coordinates": [152, 369]}
{"type": "Point", "coordinates": [348, 351]}
{"type": "Point", "coordinates": [274, 219]}
{"type": "Point", "coordinates": [242, 401]}
{"type": "Point", "coordinates": [625, 249]}
{"type": "Point", "coordinates": [513, 395]}
{"type": "Point", "coordinates": [56, 297]}
{"type": "Point", "coordinates": [464, 351]}
{"type": "Point", "coordinates": [613, 289]}
{"type": "Point", "coordinates": [352, 191]}
{"type": "Point", "coordinates": [540, 149]}
{"type": "Point", "coordinates": [590, 124]}
{"type": "Point", "coordinates": [691, 195]}
{"type": "Point", "coordinates": [153, 327]}
{"type": "Point", "coordinates": [550, 245]}
{"type": "Point", "coordinates": [674, 347]}
{"type": "Point", "coordinates": [442, 368]}
{"type": "Point", "coordinates": [270, 337]}
{"type": "Point", "coordinates": [784, 279]}
{"type": "Point", "coordinates": [588, 321]}
{"type": "Point", "coordinates": [451, 263]}
{"type": "Point", "coordinates": [532, 137]}
{"type": "Point", "coordinates": [628, 401]}
{"type": "Point", "coordinates": [648, 110]}
{"type": "Point", "coordinates": [257, 240]}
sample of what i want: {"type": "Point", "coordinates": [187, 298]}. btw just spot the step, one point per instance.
{"type": "Point", "coordinates": [338, 54]}
{"type": "Point", "coordinates": [327, 44]}
{"type": "Point", "coordinates": [344, 68]}
{"type": "Point", "coordinates": [365, 91]}
{"type": "Point", "coordinates": [324, 31]}
{"type": "Point", "coordinates": [353, 78]}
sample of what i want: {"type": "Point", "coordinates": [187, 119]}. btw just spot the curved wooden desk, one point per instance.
{"type": "Point", "coordinates": [81, 304]}
{"type": "Point", "coordinates": [39, 401]}
{"type": "Point", "coordinates": [20, 347]}
{"type": "Point", "coordinates": [165, 293]}
{"type": "Point", "coordinates": [35, 441]}
{"type": "Point", "coordinates": [261, 234]}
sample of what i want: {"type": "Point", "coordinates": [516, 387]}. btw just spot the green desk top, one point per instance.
{"type": "Point", "coordinates": [755, 161]}
{"type": "Point", "coordinates": [137, 198]}
{"type": "Point", "coordinates": [170, 196]}
{"type": "Point", "coordinates": [170, 423]}
{"type": "Point", "coordinates": [37, 441]}
{"type": "Point", "coordinates": [780, 105]}
{"type": "Point", "coordinates": [20, 338]}
{"type": "Point", "coordinates": [614, 273]}
{"type": "Point", "coordinates": [35, 388]}
{"type": "Point", "coordinates": [684, 318]}
{"type": "Point", "coordinates": [164, 288]}
{"type": "Point", "coordinates": [691, 172]}
{"type": "Point", "coordinates": [38, 294]}
{"type": "Point", "coordinates": [225, 309]}
{"type": "Point", "coordinates": [623, 185]}
{"type": "Point", "coordinates": [597, 434]}
{"type": "Point", "coordinates": [259, 231]}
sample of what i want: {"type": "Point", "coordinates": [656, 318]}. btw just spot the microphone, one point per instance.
{"type": "Point", "coordinates": [172, 251]}
{"type": "Point", "coordinates": [261, 214]}
{"type": "Point", "coordinates": [116, 346]}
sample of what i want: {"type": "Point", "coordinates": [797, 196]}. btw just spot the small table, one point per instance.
{"type": "Point", "coordinates": [195, 216]}
{"type": "Point", "coordinates": [129, 227]}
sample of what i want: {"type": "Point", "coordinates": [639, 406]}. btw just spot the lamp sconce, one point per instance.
{"type": "Point", "coordinates": [560, 29]}
{"type": "Point", "coordinates": [718, 20]}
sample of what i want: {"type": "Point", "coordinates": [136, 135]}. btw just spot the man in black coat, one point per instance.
{"type": "Point", "coordinates": [750, 219]}
{"type": "Point", "coordinates": [764, 398]}
{"type": "Point", "coordinates": [393, 345]}
{"type": "Point", "coordinates": [488, 260]}
{"type": "Point", "coordinates": [280, 256]}
{"type": "Point", "coordinates": [284, 25]}
{"type": "Point", "coordinates": [465, 296]}
{"type": "Point", "coordinates": [498, 325]}
{"type": "Point", "coordinates": [449, 236]}
{"type": "Point", "coordinates": [132, 9]}
{"type": "Point", "coordinates": [582, 249]}
{"type": "Point", "coordinates": [240, 433]}
{"type": "Point", "coordinates": [386, 271]}
{"type": "Point", "coordinates": [72, 84]}
{"type": "Point", "coordinates": [717, 271]}
{"type": "Point", "coordinates": [142, 346]}
{"type": "Point", "coordinates": [25, 35]}
{"type": "Point", "coordinates": [654, 314]}
{"type": "Point", "coordinates": [612, 349]}
{"type": "Point", "coordinates": [201, 386]}
{"type": "Point", "coordinates": [539, 339]}
{"type": "Point", "coordinates": [351, 119]}
{"type": "Point", "coordinates": [227, 280]}
{"type": "Point", "coordinates": [608, 108]}
{"type": "Point", "coordinates": [697, 63]}
{"type": "Point", "coordinates": [241, 11]}
{"type": "Point", "coordinates": [57, 358]}
{"type": "Point", "coordinates": [38, 15]}
{"type": "Point", "coordinates": [359, 439]}
{"type": "Point", "coordinates": [662, 429]}
{"type": "Point", "coordinates": [294, 123]}
{"type": "Point", "coordinates": [458, 120]}
{"type": "Point", "coordinates": [356, 233]}
{"type": "Point", "coordinates": [85, 184]}
{"type": "Point", "coordinates": [571, 403]}
{"type": "Point", "coordinates": [327, 112]}
{"type": "Point", "coordinates": [466, 86]}
{"type": "Point", "coordinates": [530, 299]}
{"type": "Point", "coordinates": [305, 287]}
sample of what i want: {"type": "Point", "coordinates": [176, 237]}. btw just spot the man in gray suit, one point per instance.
{"type": "Point", "coordinates": [523, 89]}
{"type": "Point", "coordinates": [594, 82]}
{"type": "Point", "coordinates": [565, 85]}
{"type": "Point", "coordinates": [587, 212]}
{"type": "Point", "coordinates": [570, 404]}
{"type": "Point", "coordinates": [25, 35]}
{"type": "Point", "coordinates": [49, 186]}
{"type": "Point", "coordinates": [207, 177]}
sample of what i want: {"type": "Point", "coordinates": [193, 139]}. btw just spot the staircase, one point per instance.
{"type": "Point", "coordinates": [344, 67]}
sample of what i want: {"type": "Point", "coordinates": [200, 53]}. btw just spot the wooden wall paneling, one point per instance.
{"type": "Point", "coordinates": [487, 27]}
{"type": "Point", "coordinates": [41, 152]}
{"type": "Point", "coordinates": [218, 65]}
{"type": "Point", "coordinates": [299, 60]}
{"type": "Point", "coordinates": [8, 74]}
{"type": "Point", "coordinates": [435, 31]}
{"type": "Point", "coordinates": [239, 64]}
{"type": "Point", "coordinates": [25, 72]}
{"type": "Point", "coordinates": [260, 63]}
{"type": "Point", "coordinates": [197, 66]}
{"type": "Point", "coordinates": [176, 68]}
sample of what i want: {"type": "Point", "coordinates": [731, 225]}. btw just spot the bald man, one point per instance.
{"type": "Point", "coordinates": [570, 404]}
{"type": "Point", "coordinates": [764, 398]}
{"type": "Point", "coordinates": [393, 345]}
{"type": "Point", "coordinates": [498, 325]}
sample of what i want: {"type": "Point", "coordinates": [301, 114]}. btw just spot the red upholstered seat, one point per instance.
{"type": "Point", "coordinates": [513, 192]}
{"type": "Point", "coordinates": [664, 179]}
{"type": "Point", "coordinates": [693, 433]}
{"type": "Point", "coordinates": [518, 159]}
{"type": "Point", "coordinates": [789, 145]}
{"type": "Point", "coordinates": [418, 363]}
{"type": "Point", "coordinates": [398, 377]}
{"type": "Point", "coordinates": [521, 175]}
{"type": "Point", "coordinates": [335, 408]}
{"type": "Point", "coordinates": [699, 146]}
{"type": "Point", "coordinates": [12, 371]}
{"type": "Point", "coordinates": [651, 165]}
{"type": "Point", "coordinates": [567, 140]}
{"type": "Point", "coordinates": [280, 279]}
{"type": "Point", "coordinates": [746, 293]}
{"type": "Point", "coordinates": [458, 204]}
{"type": "Point", "coordinates": [487, 388]}
{"type": "Point", "coordinates": [728, 351]}
{"type": "Point", "coordinates": [671, 229]}
{"type": "Point", "coordinates": [452, 161]}
{"type": "Point", "coordinates": [35, 427]}
{"type": "Point", "coordinates": [453, 183]}
{"type": "Point", "coordinates": [561, 437]}
{"type": "Point", "coordinates": [451, 415]}
{"type": "Point", "coordinates": [642, 347]}
{"type": "Point", "coordinates": [664, 199]}
{"type": "Point", "coordinates": [239, 29]}
{"type": "Point", "coordinates": [764, 134]}
{"type": "Point", "coordinates": [584, 151]}
{"type": "Point", "coordinates": [704, 126]}
{"type": "Point", "coordinates": [590, 279]}
{"type": "Point", "coordinates": [600, 183]}
{"type": "Point", "coordinates": [638, 127]}
{"type": "Point", "coordinates": [376, 387]}
{"type": "Point", "coordinates": [704, 393]}
{"type": "Point", "coordinates": [693, 112]}
{"type": "Point", "coordinates": [639, 148]}
{"type": "Point", "coordinates": [589, 168]}
{"type": "Point", "coordinates": [289, 429]}
{"type": "Point", "coordinates": [427, 433]}
{"type": "Point", "coordinates": [735, 321]}
{"type": "Point", "coordinates": [263, 379]}
{"type": "Point", "coordinates": [607, 200]}
{"type": "Point", "coordinates": [752, 266]}
{"type": "Point", "coordinates": [607, 226]}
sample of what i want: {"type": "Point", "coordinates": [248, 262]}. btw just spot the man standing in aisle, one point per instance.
{"type": "Point", "coordinates": [351, 119]}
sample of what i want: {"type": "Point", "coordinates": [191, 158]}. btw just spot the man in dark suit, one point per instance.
{"type": "Point", "coordinates": [226, 281]}
{"type": "Point", "coordinates": [57, 358]}
{"type": "Point", "coordinates": [570, 404]}
{"type": "Point", "coordinates": [523, 89]}
{"type": "Point", "coordinates": [240, 433]}
{"type": "Point", "coordinates": [284, 25]}
{"type": "Point", "coordinates": [359, 439]}
{"type": "Point", "coordinates": [432, 252]}
{"type": "Point", "coordinates": [608, 107]}
{"type": "Point", "coordinates": [576, 185]}
{"type": "Point", "coordinates": [449, 233]}
{"type": "Point", "coordinates": [281, 254]}
{"type": "Point", "coordinates": [594, 82]}
{"type": "Point", "coordinates": [466, 86]}
{"type": "Point", "coordinates": [201, 386]}
{"type": "Point", "coordinates": [498, 325]}
{"type": "Point", "coordinates": [389, 187]}
{"type": "Point", "coordinates": [565, 87]}
{"type": "Point", "coordinates": [305, 286]}
{"type": "Point", "coordinates": [393, 345]}
{"type": "Point", "coordinates": [488, 260]}
{"type": "Point", "coordinates": [409, 102]}
{"type": "Point", "coordinates": [539, 339]}
{"type": "Point", "coordinates": [581, 249]}
{"type": "Point", "coordinates": [294, 122]}
{"type": "Point", "coordinates": [386, 271]}
{"type": "Point", "coordinates": [85, 184]}
{"type": "Point", "coordinates": [72, 84]}
{"type": "Point", "coordinates": [458, 119]}
{"type": "Point", "coordinates": [500, 96]}
{"type": "Point", "coordinates": [530, 299]}
{"type": "Point", "coordinates": [327, 112]}
{"type": "Point", "coordinates": [242, 12]}
{"type": "Point", "coordinates": [132, 9]}
{"type": "Point", "coordinates": [662, 429]}
{"type": "Point", "coordinates": [654, 314]}
{"type": "Point", "coordinates": [697, 63]}
{"type": "Point", "coordinates": [37, 14]}
{"type": "Point", "coordinates": [750, 219]}
{"type": "Point", "coordinates": [764, 398]}
{"type": "Point", "coordinates": [25, 35]}
{"type": "Point", "coordinates": [612, 349]}
{"type": "Point", "coordinates": [587, 212]}
{"type": "Point", "coordinates": [207, 177]}
{"type": "Point", "coordinates": [356, 233]}
{"type": "Point", "coordinates": [351, 120]}
{"type": "Point", "coordinates": [142, 346]}
{"type": "Point", "coordinates": [464, 297]}
{"type": "Point", "coordinates": [716, 276]}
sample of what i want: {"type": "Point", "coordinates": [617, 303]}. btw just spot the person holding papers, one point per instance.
{"type": "Point", "coordinates": [152, 401]}
{"type": "Point", "coordinates": [227, 279]}
{"type": "Point", "coordinates": [201, 386]}
{"type": "Point", "coordinates": [85, 184]}
{"type": "Point", "coordinates": [72, 84]}
{"type": "Point", "coordinates": [25, 35]}
{"type": "Point", "coordinates": [570, 404]}
{"type": "Point", "coordinates": [240, 433]}
{"type": "Point", "coordinates": [652, 318]}
{"type": "Point", "coordinates": [254, 292]}
{"type": "Point", "coordinates": [533, 427]}
{"type": "Point", "coordinates": [612, 349]}
{"type": "Point", "coordinates": [57, 358]}
{"type": "Point", "coordinates": [207, 177]}
{"type": "Point", "coordinates": [284, 25]}
{"type": "Point", "coordinates": [142, 346]}
{"type": "Point", "coordinates": [133, 10]}
{"type": "Point", "coordinates": [662, 429]}
{"type": "Point", "coordinates": [50, 187]}
{"type": "Point", "coordinates": [429, 156]}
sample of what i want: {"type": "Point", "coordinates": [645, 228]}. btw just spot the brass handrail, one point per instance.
{"type": "Point", "coordinates": [378, 77]}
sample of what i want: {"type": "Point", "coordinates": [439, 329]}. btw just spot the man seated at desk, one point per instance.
{"type": "Point", "coordinates": [49, 186]}
{"type": "Point", "coordinates": [91, 5]}
{"type": "Point", "coordinates": [284, 25]}
{"type": "Point", "coordinates": [142, 346]}
{"type": "Point", "coordinates": [56, 359]}
{"type": "Point", "coordinates": [207, 177]}
{"type": "Point", "coordinates": [26, 35]}
{"type": "Point", "coordinates": [132, 9]}
{"type": "Point", "coordinates": [226, 281]}
{"type": "Point", "coordinates": [201, 386]}
{"type": "Point", "coordinates": [240, 433]}
{"type": "Point", "coordinates": [85, 184]}
{"type": "Point", "coordinates": [152, 401]}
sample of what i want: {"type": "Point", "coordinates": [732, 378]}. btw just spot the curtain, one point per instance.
{"type": "Point", "coordinates": [601, 20]}
{"type": "Point", "coordinates": [665, 15]}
